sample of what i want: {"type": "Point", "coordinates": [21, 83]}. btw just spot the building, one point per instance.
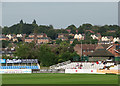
{"type": "Point", "coordinates": [114, 49]}
{"type": "Point", "coordinates": [10, 36]}
{"type": "Point", "coordinates": [15, 39]}
{"type": "Point", "coordinates": [29, 39]}
{"type": "Point", "coordinates": [79, 36]}
{"type": "Point", "coordinates": [19, 35]}
{"type": "Point", "coordinates": [116, 39]}
{"type": "Point", "coordinates": [101, 54]}
{"type": "Point", "coordinates": [96, 36]}
{"type": "Point", "coordinates": [98, 50]}
{"type": "Point", "coordinates": [2, 37]}
{"type": "Point", "coordinates": [38, 38]}
{"type": "Point", "coordinates": [107, 38]}
{"type": "Point", "coordinates": [43, 40]}
{"type": "Point", "coordinates": [85, 49]}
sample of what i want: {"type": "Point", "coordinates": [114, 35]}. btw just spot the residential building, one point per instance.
{"type": "Point", "coordinates": [79, 36]}
{"type": "Point", "coordinates": [19, 35]}
{"type": "Point", "coordinates": [29, 39]}
{"type": "Point", "coordinates": [116, 39]}
{"type": "Point", "coordinates": [107, 38]}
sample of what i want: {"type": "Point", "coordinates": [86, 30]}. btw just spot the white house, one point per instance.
{"type": "Point", "coordinates": [94, 37]}
{"type": "Point", "coordinates": [9, 36]}
{"type": "Point", "coordinates": [19, 35]}
{"type": "Point", "coordinates": [79, 36]}
{"type": "Point", "coordinates": [107, 38]}
{"type": "Point", "coordinates": [116, 39]}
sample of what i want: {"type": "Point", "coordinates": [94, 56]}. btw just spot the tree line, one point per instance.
{"type": "Point", "coordinates": [45, 53]}
{"type": "Point", "coordinates": [52, 32]}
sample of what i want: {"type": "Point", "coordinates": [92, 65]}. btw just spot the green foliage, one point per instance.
{"type": "Point", "coordinates": [5, 43]}
{"type": "Point", "coordinates": [46, 56]}
{"type": "Point", "coordinates": [58, 41]}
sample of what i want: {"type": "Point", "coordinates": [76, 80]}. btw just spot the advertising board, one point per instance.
{"type": "Point", "coordinates": [9, 71]}
{"type": "Point", "coordinates": [22, 61]}
{"type": "Point", "coordinates": [2, 61]}
{"type": "Point", "coordinates": [80, 71]}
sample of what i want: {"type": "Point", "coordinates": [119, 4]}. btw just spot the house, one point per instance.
{"type": "Point", "coordinates": [43, 40]}
{"type": "Point", "coordinates": [87, 49]}
{"type": "Point", "coordinates": [3, 37]}
{"type": "Point", "coordinates": [79, 36]}
{"type": "Point", "coordinates": [116, 39]}
{"type": "Point", "coordinates": [31, 35]}
{"type": "Point", "coordinates": [107, 38]}
{"type": "Point", "coordinates": [105, 42]}
{"type": "Point", "coordinates": [41, 35]}
{"type": "Point", "coordinates": [114, 49]}
{"type": "Point", "coordinates": [7, 52]}
{"type": "Point", "coordinates": [63, 36]}
{"type": "Point", "coordinates": [29, 39]}
{"type": "Point", "coordinates": [96, 36]}
{"type": "Point", "coordinates": [84, 49]}
{"type": "Point", "coordinates": [101, 54]}
{"type": "Point", "coordinates": [10, 36]}
{"type": "Point", "coordinates": [19, 35]}
{"type": "Point", "coordinates": [15, 39]}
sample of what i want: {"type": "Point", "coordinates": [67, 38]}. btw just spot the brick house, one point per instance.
{"type": "Point", "coordinates": [114, 49]}
{"type": "Point", "coordinates": [42, 40]}
{"type": "Point", "coordinates": [87, 49]}
{"type": "Point", "coordinates": [84, 49]}
{"type": "Point", "coordinates": [29, 39]}
{"type": "Point", "coordinates": [31, 36]}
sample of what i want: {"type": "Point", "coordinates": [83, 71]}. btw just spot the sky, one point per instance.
{"type": "Point", "coordinates": [60, 14]}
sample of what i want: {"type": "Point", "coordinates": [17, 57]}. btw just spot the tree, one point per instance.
{"type": "Point", "coordinates": [5, 43]}
{"type": "Point", "coordinates": [21, 21]}
{"type": "Point", "coordinates": [26, 51]}
{"type": "Point", "coordinates": [34, 21]}
{"type": "Point", "coordinates": [51, 26]}
{"type": "Point", "coordinates": [52, 34]}
{"type": "Point", "coordinates": [58, 41]}
{"type": "Point", "coordinates": [46, 56]}
{"type": "Point", "coordinates": [75, 42]}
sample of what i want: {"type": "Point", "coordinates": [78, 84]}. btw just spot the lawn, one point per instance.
{"type": "Point", "coordinates": [59, 79]}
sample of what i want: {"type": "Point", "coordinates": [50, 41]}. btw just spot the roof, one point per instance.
{"type": "Point", "coordinates": [101, 53]}
{"type": "Point", "coordinates": [86, 46]}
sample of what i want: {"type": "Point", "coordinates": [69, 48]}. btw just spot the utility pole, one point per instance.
{"type": "Point", "coordinates": [81, 48]}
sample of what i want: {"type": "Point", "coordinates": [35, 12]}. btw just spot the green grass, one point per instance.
{"type": "Point", "coordinates": [59, 79]}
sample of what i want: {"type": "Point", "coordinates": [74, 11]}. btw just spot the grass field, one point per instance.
{"type": "Point", "coordinates": [59, 79]}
